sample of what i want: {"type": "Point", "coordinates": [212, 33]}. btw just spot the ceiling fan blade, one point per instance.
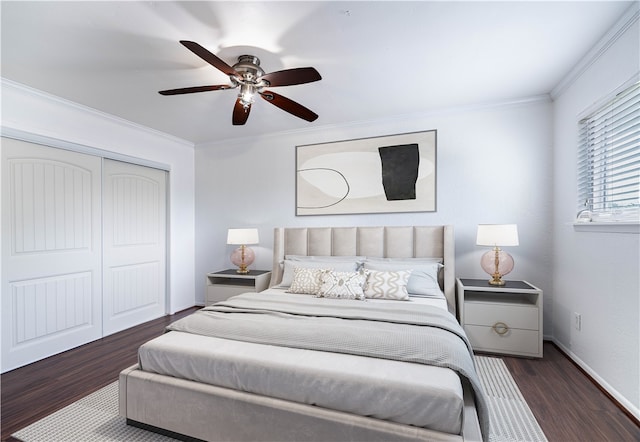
{"type": "Point", "coordinates": [240, 113]}
{"type": "Point", "coordinates": [289, 105]}
{"type": "Point", "coordinates": [190, 90]}
{"type": "Point", "coordinates": [208, 57]}
{"type": "Point", "coordinates": [289, 77]}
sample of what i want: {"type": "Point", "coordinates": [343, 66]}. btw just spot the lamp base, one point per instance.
{"type": "Point", "coordinates": [497, 263]}
{"type": "Point", "coordinates": [243, 257]}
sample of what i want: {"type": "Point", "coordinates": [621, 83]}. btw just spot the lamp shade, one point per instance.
{"type": "Point", "coordinates": [495, 235]}
{"type": "Point", "coordinates": [242, 236]}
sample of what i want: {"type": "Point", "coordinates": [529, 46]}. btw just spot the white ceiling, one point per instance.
{"type": "Point", "coordinates": [377, 59]}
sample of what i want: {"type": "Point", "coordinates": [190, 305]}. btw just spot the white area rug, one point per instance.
{"type": "Point", "coordinates": [510, 416]}
{"type": "Point", "coordinates": [94, 418]}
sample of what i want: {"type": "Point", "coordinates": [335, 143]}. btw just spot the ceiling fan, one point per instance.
{"type": "Point", "coordinates": [249, 76]}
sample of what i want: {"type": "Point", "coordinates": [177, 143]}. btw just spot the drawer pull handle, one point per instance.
{"type": "Point", "coordinates": [500, 327]}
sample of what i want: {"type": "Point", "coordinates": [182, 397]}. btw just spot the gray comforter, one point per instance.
{"type": "Point", "coordinates": [396, 330]}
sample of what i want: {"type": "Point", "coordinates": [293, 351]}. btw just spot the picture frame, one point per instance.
{"type": "Point", "coordinates": [386, 174]}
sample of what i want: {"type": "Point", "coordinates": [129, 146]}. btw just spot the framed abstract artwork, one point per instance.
{"type": "Point", "coordinates": [389, 174]}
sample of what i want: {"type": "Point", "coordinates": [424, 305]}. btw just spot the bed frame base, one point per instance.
{"type": "Point", "coordinates": [210, 413]}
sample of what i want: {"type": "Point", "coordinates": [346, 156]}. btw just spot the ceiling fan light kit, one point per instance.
{"type": "Point", "coordinates": [247, 75]}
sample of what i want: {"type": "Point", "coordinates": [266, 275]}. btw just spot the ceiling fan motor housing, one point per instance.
{"type": "Point", "coordinates": [248, 68]}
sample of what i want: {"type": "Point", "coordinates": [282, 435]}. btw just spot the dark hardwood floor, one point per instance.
{"type": "Point", "coordinates": [34, 391]}
{"type": "Point", "coordinates": [566, 403]}
{"type": "Point", "coordinates": [568, 406]}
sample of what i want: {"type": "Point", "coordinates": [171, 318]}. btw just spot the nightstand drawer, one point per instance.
{"type": "Point", "coordinates": [227, 283]}
{"type": "Point", "coordinates": [515, 316]}
{"type": "Point", "coordinates": [220, 292]}
{"type": "Point", "coordinates": [514, 341]}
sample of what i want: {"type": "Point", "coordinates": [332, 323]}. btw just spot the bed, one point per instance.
{"type": "Point", "coordinates": [325, 364]}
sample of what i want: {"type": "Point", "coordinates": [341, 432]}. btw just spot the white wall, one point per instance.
{"type": "Point", "coordinates": [596, 274]}
{"type": "Point", "coordinates": [493, 166]}
{"type": "Point", "coordinates": [39, 114]}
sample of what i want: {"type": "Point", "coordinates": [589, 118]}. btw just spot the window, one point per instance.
{"type": "Point", "coordinates": [609, 160]}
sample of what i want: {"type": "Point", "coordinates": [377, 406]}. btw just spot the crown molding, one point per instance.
{"type": "Point", "coordinates": [628, 19]}
{"type": "Point", "coordinates": [382, 122]}
{"type": "Point", "coordinates": [27, 90]}
{"type": "Point", "coordinates": [403, 118]}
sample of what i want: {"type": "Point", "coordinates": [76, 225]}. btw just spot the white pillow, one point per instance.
{"type": "Point", "coordinates": [424, 276]}
{"type": "Point", "coordinates": [289, 265]}
{"type": "Point", "coordinates": [387, 285]}
{"type": "Point", "coordinates": [305, 281]}
{"type": "Point", "coordinates": [343, 285]}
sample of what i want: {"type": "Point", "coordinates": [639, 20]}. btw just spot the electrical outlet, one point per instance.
{"type": "Point", "coordinates": [577, 321]}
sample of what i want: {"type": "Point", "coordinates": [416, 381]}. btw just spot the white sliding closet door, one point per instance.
{"type": "Point", "coordinates": [51, 251]}
{"type": "Point", "coordinates": [134, 245]}
{"type": "Point", "coordinates": [83, 249]}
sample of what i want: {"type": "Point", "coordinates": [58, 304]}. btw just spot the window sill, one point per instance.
{"type": "Point", "coordinates": [610, 227]}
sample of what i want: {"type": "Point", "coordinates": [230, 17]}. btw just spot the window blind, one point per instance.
{"type": "Point", "coordinates": [609, 159]}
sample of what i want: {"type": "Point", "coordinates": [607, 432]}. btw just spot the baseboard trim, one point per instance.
{"type": "Point", "coordinates": [622, 403]}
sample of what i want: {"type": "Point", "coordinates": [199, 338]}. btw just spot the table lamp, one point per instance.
{"type": "Point", "coordinates": [497, 262]}
{"type": "Point", "coordinates": [243, 256]}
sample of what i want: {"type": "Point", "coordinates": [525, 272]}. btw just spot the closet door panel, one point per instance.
{"type": "Point", "coordinates": [51, 251]}
{"type": "Point", "coordinates": [134, 245]}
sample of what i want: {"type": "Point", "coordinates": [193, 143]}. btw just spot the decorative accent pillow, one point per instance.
{"type": "Point", "coordinates": [424, 276]}
{"type": "Point", "coordinates": [343, 285]}
{"type": "Point", "coordinates": [387, 285]}
{"type": "Point", "coordinates": [289, 266]}
{"type": "Point", "coordinates": [306, 281]}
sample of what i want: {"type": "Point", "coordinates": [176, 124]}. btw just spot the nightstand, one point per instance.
{"type": "Point", "coordinates": [501, 319]}
{"type": "Point", "coordinates": [226, 283]}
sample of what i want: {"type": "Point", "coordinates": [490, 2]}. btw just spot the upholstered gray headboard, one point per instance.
{"type": "Point", "coordinates": [382, 242]}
